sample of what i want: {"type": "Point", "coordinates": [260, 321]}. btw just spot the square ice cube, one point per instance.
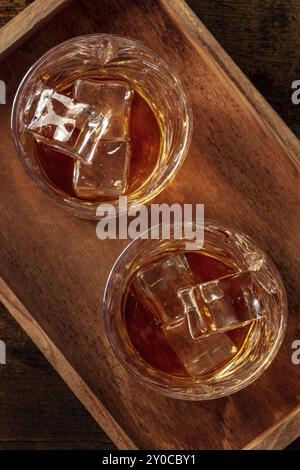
{"type": "Point", "coordinates": [107, 174]}
{"type": "Point", "coordinates": [203, 356]}
{"type": "Point", "coordinates": [211, 292]}
{"type": "Point", "coordinates": [60, 121]}
{"type": "Point", "coordinates": [232, 301]}
{"type": "Point", "coordinates": [158, 285]}
{"type": "Point", "coordinates": [113, 101]}
{"type": "Point", "coordinates": [195, 317]}
{"type": "Point", "coordinates": [210, 354]}
{"type": "Point", "coordinates": [194, 312]}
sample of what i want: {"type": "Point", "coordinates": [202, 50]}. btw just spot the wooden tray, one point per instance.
{"type": "Point", "coordinates": [243, 164]}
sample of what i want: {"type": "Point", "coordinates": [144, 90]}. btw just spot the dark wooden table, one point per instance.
{"type": "Point", "coordinates": [38, 411]}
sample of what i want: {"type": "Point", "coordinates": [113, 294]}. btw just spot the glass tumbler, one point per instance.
{"type": "Point", "coordinates": [101, 116]}
{"type": "Point", "coordinates": [195, 324]}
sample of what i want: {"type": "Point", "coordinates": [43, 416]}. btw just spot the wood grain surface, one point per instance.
{"type": "Point", "coordinates": [38, 411]}
{"type": "Point", "coordinates": [244, 177]}
{"type": "Point", "coordinates": [28, 20]}
{"type": "Point", "coordinates": [262, 37]}
{"type": "Point", "coordinates": [11, 8]}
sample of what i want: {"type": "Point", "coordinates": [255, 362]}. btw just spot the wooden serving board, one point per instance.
{"type": "Point", "coordinates": [243, 165]}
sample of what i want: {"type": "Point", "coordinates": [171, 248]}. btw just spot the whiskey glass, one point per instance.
{"type": "Point", "coordinates": [195, 324]}
{"type": "Point", "coordinates": [160, 100]}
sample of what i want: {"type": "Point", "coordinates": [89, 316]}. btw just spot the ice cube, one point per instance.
{"type": "Point", "coordinates": [93, 128]}
{"type": "Point", "coordinates": [211, 292]}
{"type": "Point", "coordinates": [158, 285]}
{"type": "Point", "coordinates": [113, 100]}
{"type": "Point", "coordinates": [194, 312]}
{"type": "Point", "coordinates": [107, 174]}
{"type": "Point", "coordinates": [171, 292]}
{"type": "Point", "coordinates": [63, 123]}
{"type": "Point", "coordinates": [232, 301]}
{"type": "Point", "coordinates": [203, 356]}
{"type": "Point", "coordinates": [169, 289]}
{"type": "Point", "coordinates": [197, 317]}
{"type": "Point", "coordinates": [210, 354]}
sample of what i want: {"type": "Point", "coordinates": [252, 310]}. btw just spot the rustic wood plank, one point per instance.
{"type": "Point", "coordinates": [59, 362]}
{"type": "Point", "coordinates": [8, 10]}
{"type": "Point", "coordinates": [280, 434]}
{"type": "Point", "coordinates": [262, 37]}
{"type": "Point", "coordinates": [38, 410]}
{"type": "Point", "coordinates": [235, 167]}
{"type": "Point", "coordinates": [207, 46]}
{"type": "Point", "coordinates": [26, 22]}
